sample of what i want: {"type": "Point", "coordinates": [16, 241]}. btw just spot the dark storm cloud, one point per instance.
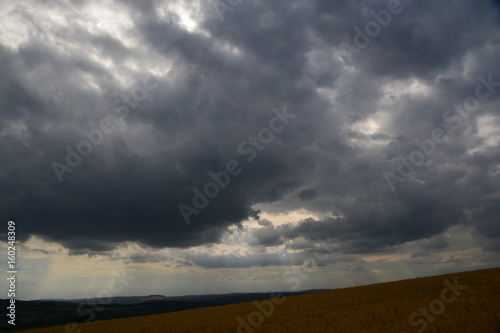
{"type": "Point", "coordinates": [220, 88]}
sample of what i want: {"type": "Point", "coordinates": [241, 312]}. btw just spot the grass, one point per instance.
{"type": "Point", "coordinates": [384, 307]}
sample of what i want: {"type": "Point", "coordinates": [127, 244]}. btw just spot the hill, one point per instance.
{"type": "Point", "coordinates": [454, 303]}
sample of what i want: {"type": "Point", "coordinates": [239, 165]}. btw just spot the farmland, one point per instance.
{"type": "Point", "coordinates": [460, 302]}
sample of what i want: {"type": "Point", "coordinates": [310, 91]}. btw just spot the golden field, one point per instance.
{"type": "Point", "coordinates": [384, 307]}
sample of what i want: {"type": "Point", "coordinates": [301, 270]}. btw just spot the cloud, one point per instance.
{"type": "Point", "coordinates": [209, 261]}
{"type": "Point", "coordinates": [267, 236]}
{"type": "Point", "coordinates": [217, 83]}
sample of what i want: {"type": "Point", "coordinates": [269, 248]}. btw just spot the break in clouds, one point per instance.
{"type": "Point", "coordinates": [115, 114]}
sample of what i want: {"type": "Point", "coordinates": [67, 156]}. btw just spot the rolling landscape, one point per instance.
{"type": "Point", "coordinates": [460, 303]}
{"type": "Point", "coordinates": [40, 313]}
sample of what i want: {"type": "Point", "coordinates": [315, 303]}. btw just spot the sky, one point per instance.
{"type": "Point", "coordinates": [223, 146]}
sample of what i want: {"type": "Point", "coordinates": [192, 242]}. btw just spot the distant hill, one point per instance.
{"type": "Point", "coordinates": [467, 302]}
{"type": "Point", "coordinates": [154, 298]}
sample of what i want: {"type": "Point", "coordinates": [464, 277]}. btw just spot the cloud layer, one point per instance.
{"type": "Point", "coordinates": [181, 89]}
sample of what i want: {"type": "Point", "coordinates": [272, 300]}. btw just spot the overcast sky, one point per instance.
{"type": "Point", "coordinates": [214, 146]}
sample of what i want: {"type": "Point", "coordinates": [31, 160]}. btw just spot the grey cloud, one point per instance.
{"type": "Point", "coordinates": [212, 98]}
{"type": "Point", "coordinates": [267, 236]}
{"type": "Point", "coordinates": [233, 261]}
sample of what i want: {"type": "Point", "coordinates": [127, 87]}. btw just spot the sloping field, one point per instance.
{"type": "Point", "coordinates": [466, 302]}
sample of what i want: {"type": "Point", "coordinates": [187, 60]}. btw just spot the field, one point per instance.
{"type": "Point", "coordinates": [467, 302]}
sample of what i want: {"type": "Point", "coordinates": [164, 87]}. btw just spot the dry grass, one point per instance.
{"type": "Point", "coordinates": [376, 308]}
